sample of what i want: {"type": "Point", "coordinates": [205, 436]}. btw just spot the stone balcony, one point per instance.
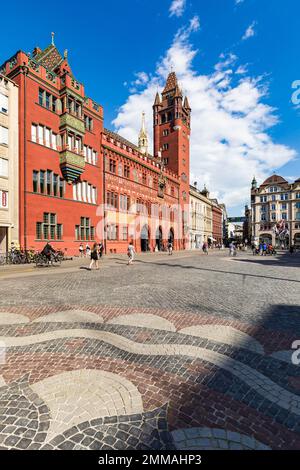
{"type": "Point", "coordinates": [72, 164]}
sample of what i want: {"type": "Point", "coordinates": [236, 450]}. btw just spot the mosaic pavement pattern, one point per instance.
{"type": "Point", "coordinates": [74, 377]}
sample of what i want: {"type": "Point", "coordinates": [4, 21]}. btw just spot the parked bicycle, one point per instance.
{"type": "Point", "coordinates": [53, 259]}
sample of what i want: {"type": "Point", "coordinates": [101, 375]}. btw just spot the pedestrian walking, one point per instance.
{"type": "Point", "coordinates": [81, 250]}
{"type": "Point", "coordinates": [130, 252]}
{"type": "Point", "coordinates": [205, 248]}
{"type": "Point", "coordinates": [170, 248]}
{"type": "Point", "coordinates": [94, 257]}
{"type": "Point", "coordinates": [87, 250]}
{"type": "Point", "coordinates": [101, 249]}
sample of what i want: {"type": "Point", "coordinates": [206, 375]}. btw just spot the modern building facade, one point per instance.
{"type": "Point", "coordinates": [9, 164]}
{"type": "Point", "coordinates": [275, 212]}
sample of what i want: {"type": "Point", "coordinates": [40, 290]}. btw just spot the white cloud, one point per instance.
{"type": "Point", "coordinates": [230, 122]}
{"type": "Point", "coordinates": [177, 8]}
{"type": "Point", "coordinates": [250, 32]}
{"type": "Point", "coordinates": [237, 2]}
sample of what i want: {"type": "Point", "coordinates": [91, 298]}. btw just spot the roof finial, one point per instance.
{"type": "Point", "coordinates": [66, 54]}
{"type": "Point", "coordinates": [52, 38]}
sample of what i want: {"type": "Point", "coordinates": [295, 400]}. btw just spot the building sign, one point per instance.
{"type": "Point", "coordinates": [237, 219]}
{"type": "Point", "coordinates": [3, 199]}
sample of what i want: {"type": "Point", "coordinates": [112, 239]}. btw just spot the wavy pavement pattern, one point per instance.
{"type": "Point", "coordinates": [81, 395]}
{"type": "Point", "coordinates": [254, 379]}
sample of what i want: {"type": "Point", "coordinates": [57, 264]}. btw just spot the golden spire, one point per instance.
{"type": "Point", "coordinates": [143, 137]}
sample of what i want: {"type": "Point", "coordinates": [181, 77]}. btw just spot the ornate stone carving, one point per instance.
{"type": "Point", "coordinates": [67, 120]}
{"type": "Point", "coordinates": [72, 165]}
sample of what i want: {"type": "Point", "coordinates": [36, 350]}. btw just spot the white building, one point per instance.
{"type": "Point", "coordinates": [200, 224]}
{"type": "Point", "coordinates": [9, 170]}
{"type": "Point", "coordinates": [275, 212]}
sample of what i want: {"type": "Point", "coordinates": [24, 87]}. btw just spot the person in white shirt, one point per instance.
{"type": "Point", "coordinates": [130, 252]}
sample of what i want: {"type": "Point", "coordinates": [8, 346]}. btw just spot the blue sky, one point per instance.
{"type": "Point", "coordinates": [236, 60]}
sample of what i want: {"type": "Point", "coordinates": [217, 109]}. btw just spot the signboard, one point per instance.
{"type": "Point", "coordinates": [237, 219]}
{"type": "Point", "coordinates": [3, 199]}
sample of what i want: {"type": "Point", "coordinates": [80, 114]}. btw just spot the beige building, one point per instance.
{"type": "Point", "coordinates": [9, 151]}
{"type": "Point", "coordinates": [200, 225]}
{"type": "Point", "coordinates": [275, 212]}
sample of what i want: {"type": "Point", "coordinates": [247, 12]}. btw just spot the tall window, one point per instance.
{"type": "Point", "coordinates": [34, 132]}
{"type": "Point", "coordinates": [53, 140]}
{"type": "Point", "coordinates": [127, 171]}
{"type": "Point", "coordinates": [47, 136]}
{"type": "Point", "coordinates": [112, 199]}
{"type": "Point", "coordinates": [3, 103]}
{"type": "Point", "coordinates": [124, 202]}
{"type": "Point", "coordinates": [61, 188]}
{"type": "Point", "coordinates": [125, 232]}
{"type": "Point", "coordinates": [42, 181]}
{"type": "Point", "coordinates": [112, 232]}
{"type": "Point", "coordinates": [55, 185]}
{"type": "Point", "coordinates": [49, 177]}
{"type": "Point", "coordinates": [41, 96]}
{"type": "Point", "coordinates": [39, 230]}
{"type": "Point", "coordinates": [112, 166]}
{"type": "Point", "coordinates": [41, 134]}
{"type": "Point", "coordinates": [3, 135]}
{"type": "Point", "coordinates": [3, 167]}
{"type": "Point", "coordinates": [35, 181]}
{"type": "Point", "coordinates": [84, 231]}
{"type": "Point", "coordinates": [48, 229]}
{"type": "Point", "coordinates": [47, 102]}
{"type": "Point", "coordinates": [88, 121]}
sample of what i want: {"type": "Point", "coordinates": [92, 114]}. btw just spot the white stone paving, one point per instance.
{"type": "Point", "coordinates": [69, 316]}
{"type": "Point", "coordinates": [225, 334]}
{"type": "Point", "coordinates": [7, 318]}
{"type": "Point", "coordinates": [143, 320]}
{"type": "Point", "coordinates": [81, 395]}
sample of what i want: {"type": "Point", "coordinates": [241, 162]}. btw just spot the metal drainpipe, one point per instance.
{"type": "Point", "coordinates": [25, 71]}
{"type": "Point", "coordinates": [104, 212]}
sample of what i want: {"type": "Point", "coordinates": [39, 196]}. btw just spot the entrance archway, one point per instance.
{"type": "Point", "coordinates": [266, 238]}
{"type": "Point", "coordinates": [159, 239]}
{"type": "Point", "coordinates": [145, 236]}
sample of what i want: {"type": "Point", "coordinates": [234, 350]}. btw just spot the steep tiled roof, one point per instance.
{"type": "Point", "coordinates": [171, 82]}
{"type": "Point", "coordinates": [49, 57]}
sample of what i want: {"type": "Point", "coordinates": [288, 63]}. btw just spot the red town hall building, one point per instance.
{"type": "Point", "coordinates": [80, 183]}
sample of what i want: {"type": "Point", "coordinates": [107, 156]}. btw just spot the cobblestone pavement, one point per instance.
{"type": "Point", "coordinates": [187, 352]}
